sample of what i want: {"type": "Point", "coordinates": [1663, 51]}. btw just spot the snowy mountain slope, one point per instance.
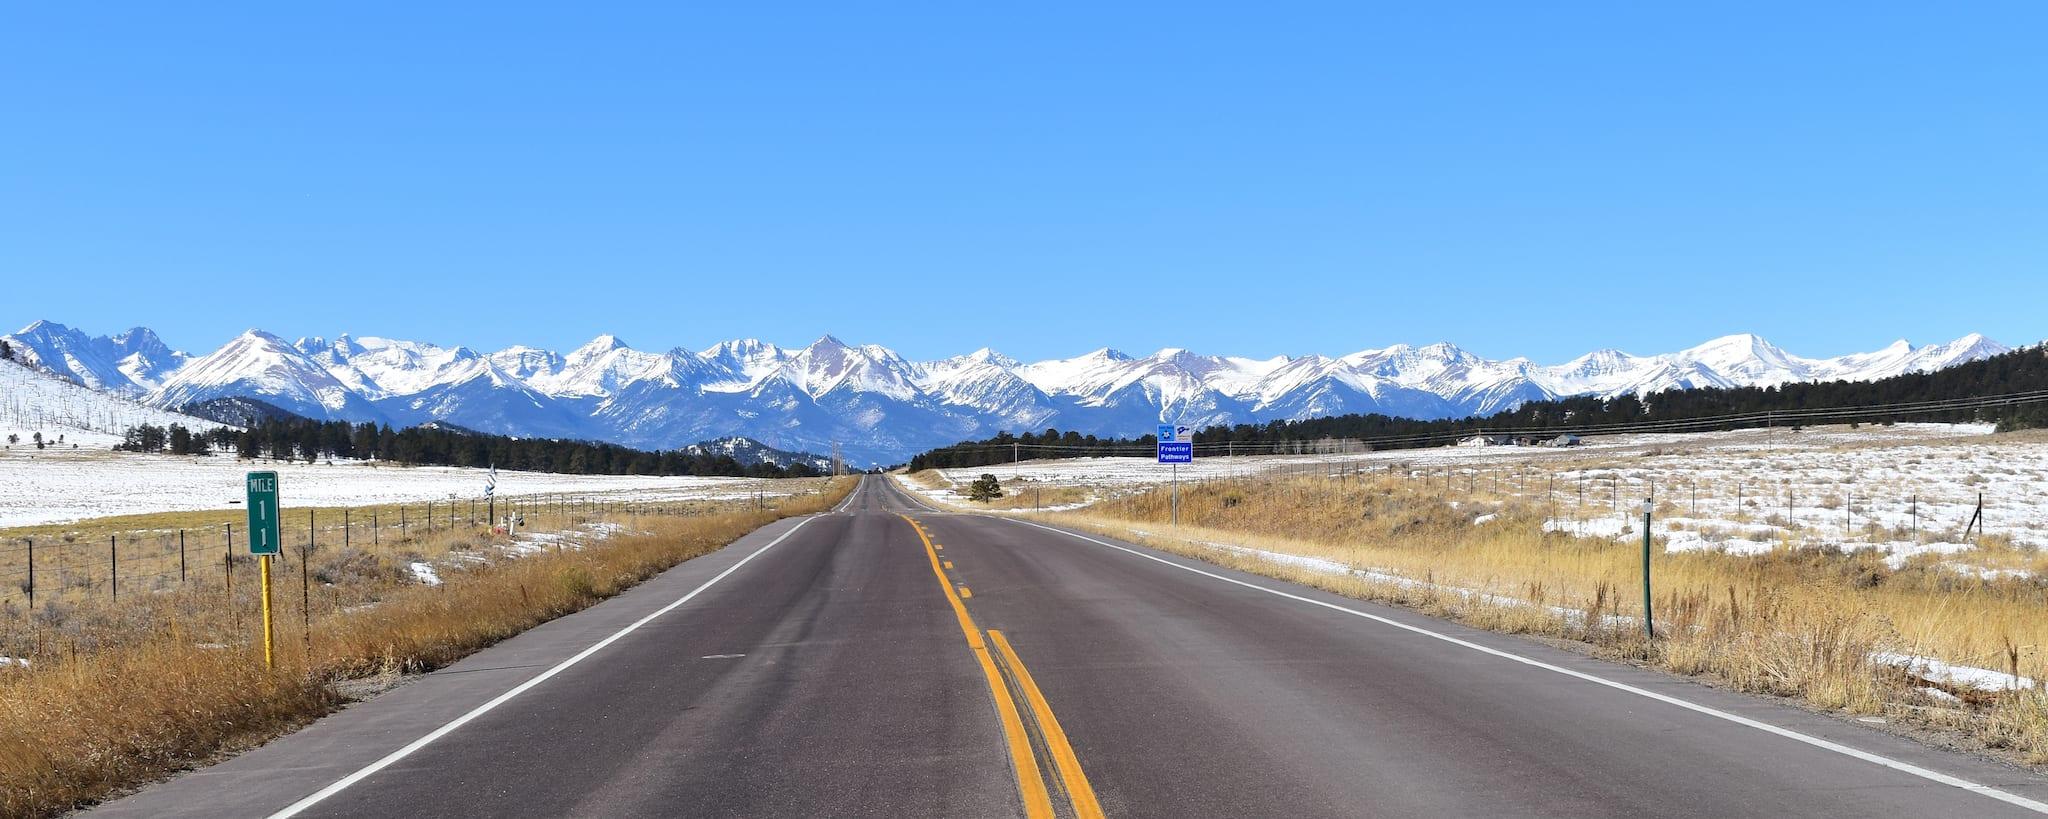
{"type": "Point", "coordinates": [988, 381]}
{"type": "Point", "coordinates": [259, 365]}
{"type": "Point", "coordinates": [879, 405]}
{"type": "Point", "coordinates": [130, 363]}
{"type": "Point", "coordinates": [750, 452]}
{"type": "Point", "coordinates": [487, 399]}
{"type": "Point", "coordinates": [598, 369]}
{"type": "Point", "coordinates": [33, 401]}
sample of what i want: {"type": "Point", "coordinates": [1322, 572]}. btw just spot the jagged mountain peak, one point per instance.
{"type": "Point", "coordinates": [601, 345]}
{"type": "Point", "coordinates": [259, 335]}
{"type": "Point", "coordinates": [43, 327]}
{"type": "Point", "coordinates": [1734, 347]}
{"type": "Point", "coordinates": [741, 346]}
{"type": "Point", "coordinates": [135, 338]}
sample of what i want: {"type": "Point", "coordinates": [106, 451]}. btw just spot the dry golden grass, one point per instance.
{"type": "Point", "coordinates": [1798, 623]}
{"type": "Point", "coordinates": [121, 694]}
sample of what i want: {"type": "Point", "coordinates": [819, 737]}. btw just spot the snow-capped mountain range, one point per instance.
{"type": "Point", "coordinates": [880, 406]}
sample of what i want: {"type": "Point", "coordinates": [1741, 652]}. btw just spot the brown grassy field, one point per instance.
{"type": "Point", "coordinates": [1797, 623]}
{"type": "Point", "coordinates": [120, 693]}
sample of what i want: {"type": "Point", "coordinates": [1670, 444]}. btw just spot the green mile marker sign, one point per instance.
{"type": "Point", "coordinates": [263, 513]}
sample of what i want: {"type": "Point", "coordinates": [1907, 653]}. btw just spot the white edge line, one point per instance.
{"type": "Point", "coordinates": [848, 503]}
{"type": "Point", "coordinates": [913, 497]}
{"type": "Point", "coordinates": [296, 807]}
{"type": "Point", "coordinates": [1829, 745]}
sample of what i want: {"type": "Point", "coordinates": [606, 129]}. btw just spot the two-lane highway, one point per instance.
{"type": "Point", "coordinates": [892, 660]}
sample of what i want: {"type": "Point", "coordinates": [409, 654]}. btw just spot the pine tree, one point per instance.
{"type": "Point", "coordinates": [984, 489]}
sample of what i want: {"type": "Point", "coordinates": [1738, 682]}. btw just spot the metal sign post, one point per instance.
{"type": "Point", "coordinates": [1176, 447]}
{"type": "Point", "coordinates": [263, 542]}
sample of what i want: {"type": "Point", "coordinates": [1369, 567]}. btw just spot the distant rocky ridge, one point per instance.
{"type": "Point", "coordinates": [879, 406]}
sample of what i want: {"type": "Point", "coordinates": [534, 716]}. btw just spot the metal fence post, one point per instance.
{"type": "Point", "coordinates": [306, 587]}
{"type": "Point", "coordinates": [1649, 623]}
{"type": "Point", "coordinates": [113, 568]}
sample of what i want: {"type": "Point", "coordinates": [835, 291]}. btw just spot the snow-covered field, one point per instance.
{"type": "Point", "coordinates": [55, 486]}
{"type": "Point", "coordinates": [1904, 490]}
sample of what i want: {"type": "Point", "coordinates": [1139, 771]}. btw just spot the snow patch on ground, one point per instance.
{"type": "Point", "coordinates": [1900, 553]}
{"type": "Point", "coordinates": [1695, 542]}
{"type": "Point", "coordinates": [527, 543]}
{"type": "Point", "coordinates": [1961, 676]}
{"type": "Point", "coordinates": [424, 573]}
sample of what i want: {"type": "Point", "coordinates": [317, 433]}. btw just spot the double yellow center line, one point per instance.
{"type": "Point", "coordinates": [1030, 781]}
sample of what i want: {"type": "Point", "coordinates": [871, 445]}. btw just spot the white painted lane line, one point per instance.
{"type": "Point", "coordinates": [1829, 745]}
{"type": "Point", "coordinates": [297, 807]}
{"type": "Point", "coordinates": [850, 496]}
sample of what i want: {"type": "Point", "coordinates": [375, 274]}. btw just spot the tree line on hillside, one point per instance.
{"type": "Point", "coordinates": [2023, 370]}
{"type": "Point", "coordinates": [305, 439]}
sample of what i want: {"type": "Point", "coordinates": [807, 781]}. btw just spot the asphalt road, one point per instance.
{"type": "Point", "coordinates": [891, 660]}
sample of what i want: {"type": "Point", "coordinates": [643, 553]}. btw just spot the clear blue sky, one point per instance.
{"type": "Point", "coordinates": [1520, 178]}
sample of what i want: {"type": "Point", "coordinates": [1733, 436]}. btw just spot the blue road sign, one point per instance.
{"type": "Point", "coordinates": [1176, 452]}
{"type": "Point", "coordinates": [1166, 432]}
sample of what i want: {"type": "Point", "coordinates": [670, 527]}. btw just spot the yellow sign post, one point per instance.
{"type": "Point", "coordinates": [263, 542]}
{"type": "Point", "coordinates": [269, 661]}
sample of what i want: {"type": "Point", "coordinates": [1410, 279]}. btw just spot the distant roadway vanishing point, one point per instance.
{"type": "Point", "coordinates": [889, 659]}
